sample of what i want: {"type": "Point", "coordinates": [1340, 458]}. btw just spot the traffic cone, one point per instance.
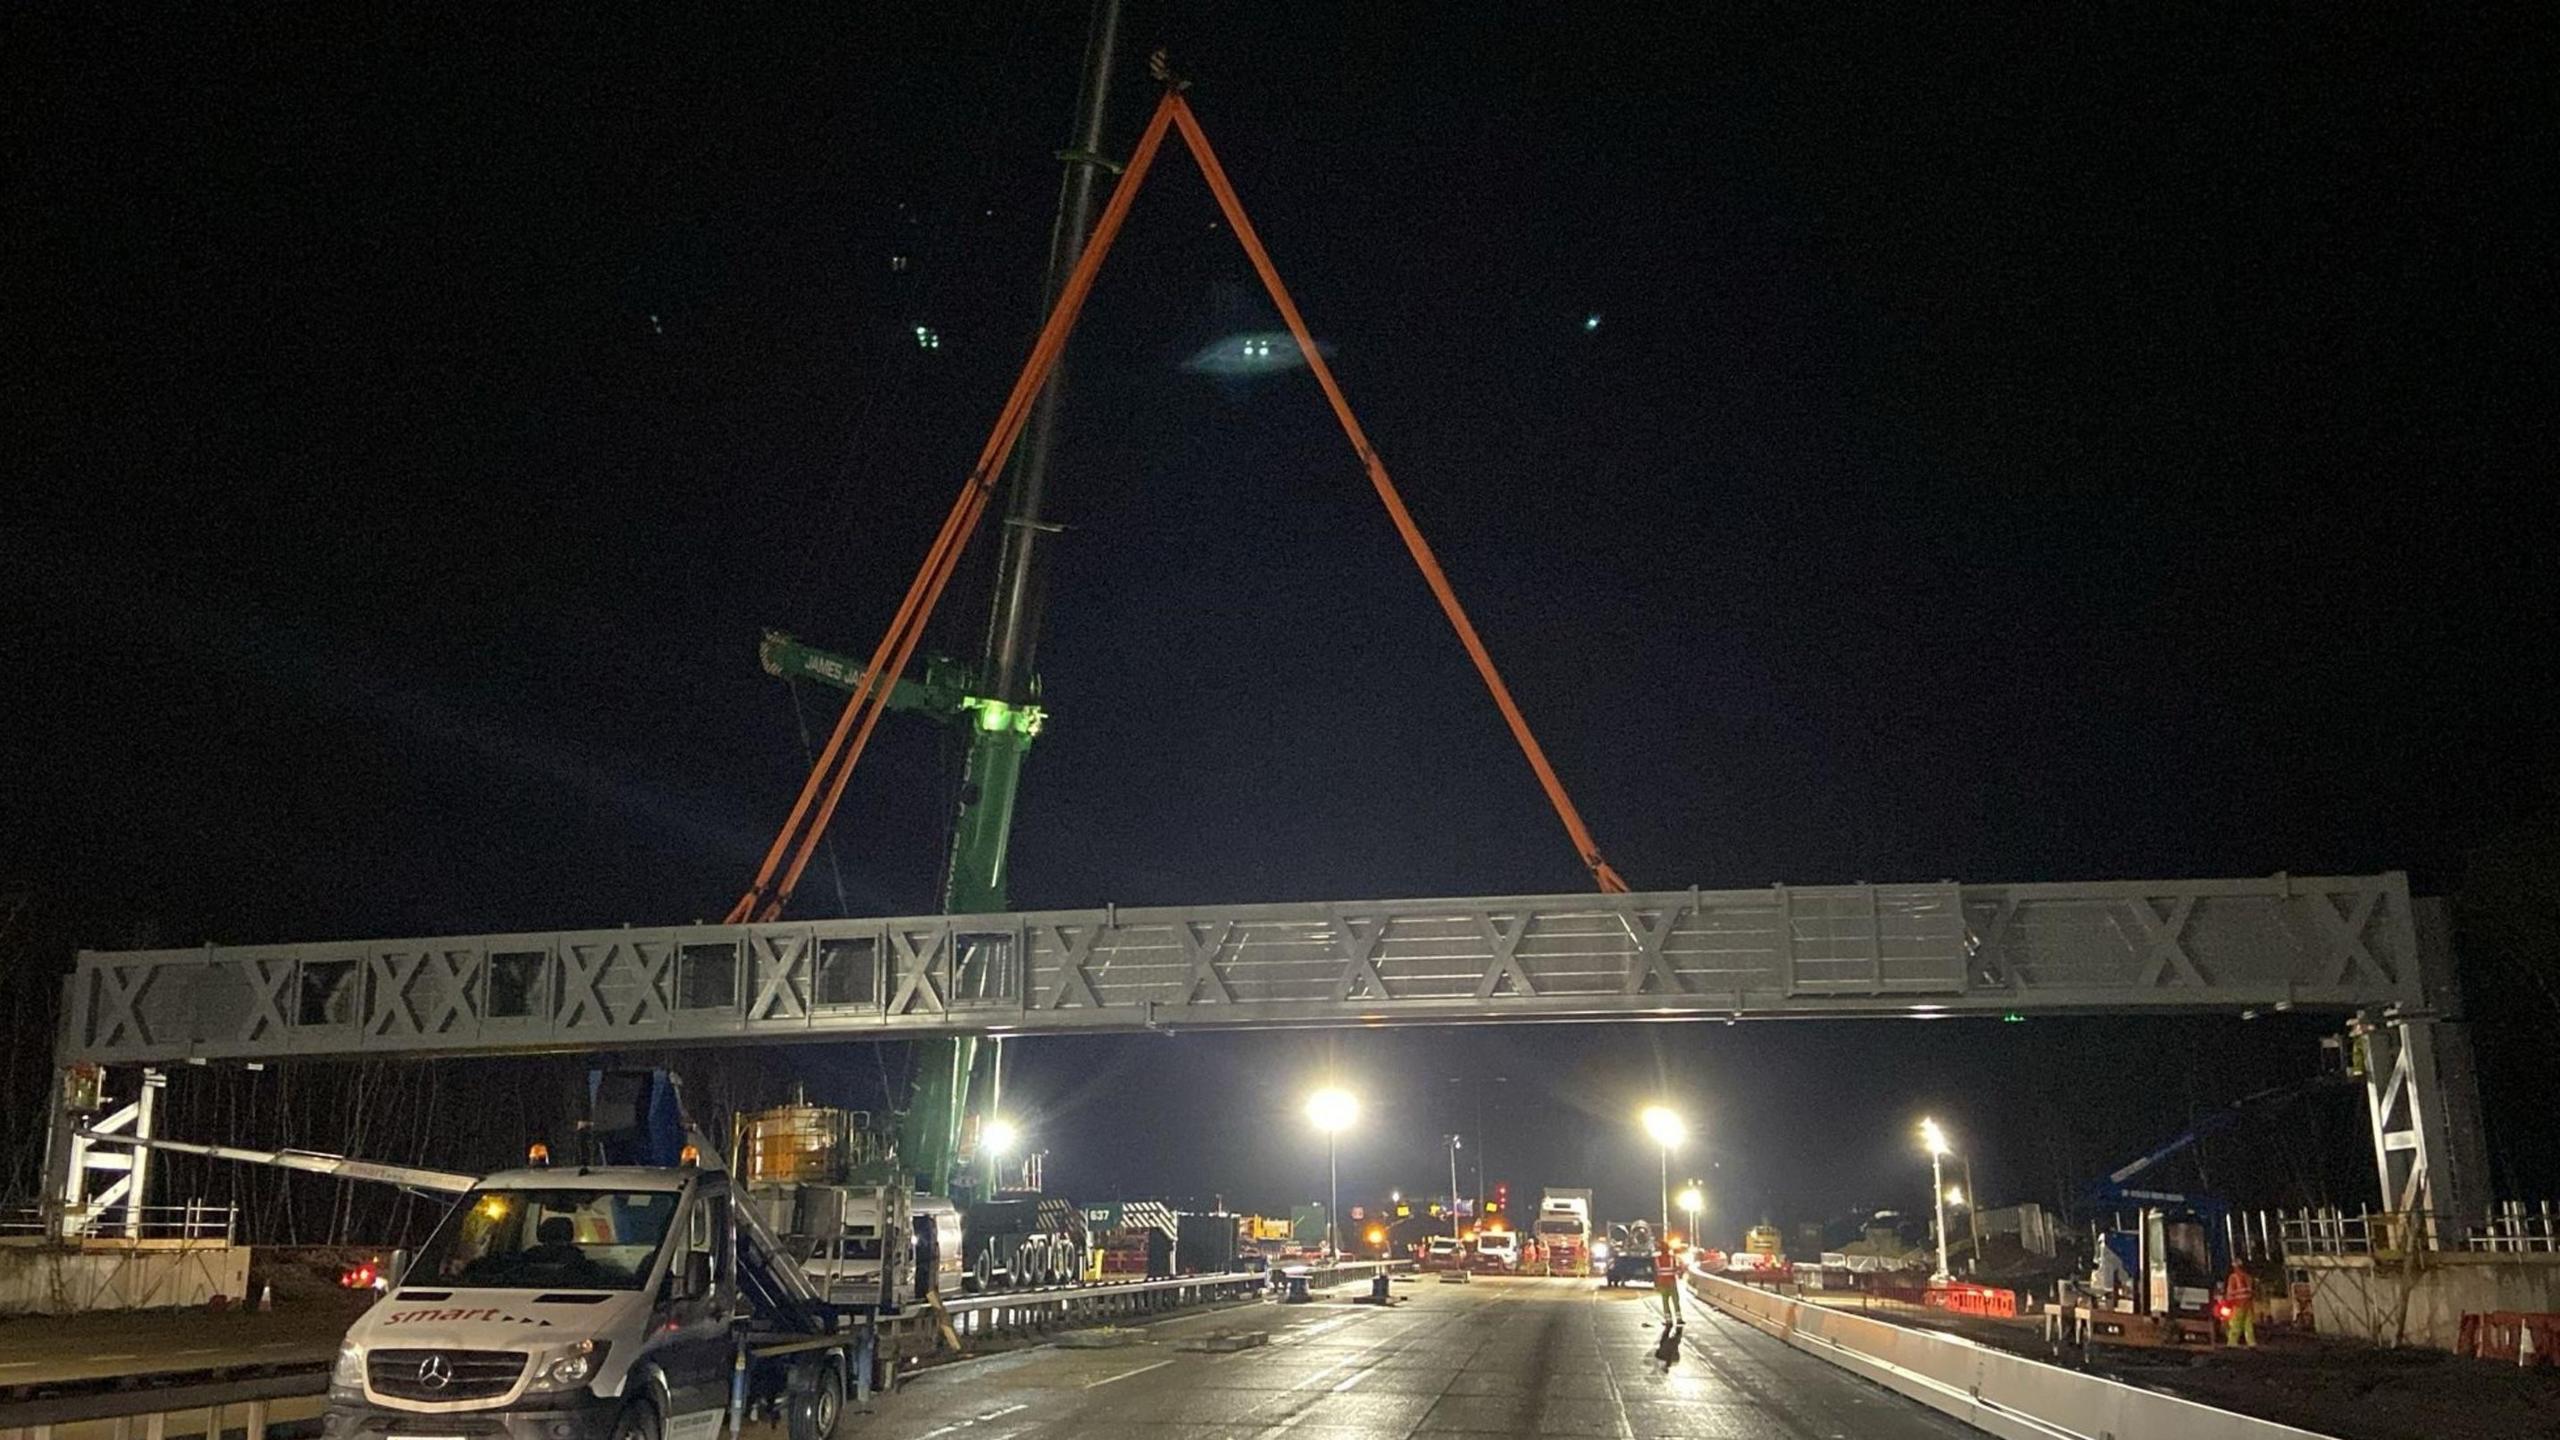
{"type": "Point", "coordinates": [2524, 1347]}
{"type": "Point", "coordinates": [266, 1297]}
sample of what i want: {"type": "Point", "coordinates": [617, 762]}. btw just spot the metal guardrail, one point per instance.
{"type": "Point", "coordinates": [215, 1402]}
{"type": "Point", "coordinates": [1991, 1390]}
{"type": "Point", "coordinates": [1010, 1313]}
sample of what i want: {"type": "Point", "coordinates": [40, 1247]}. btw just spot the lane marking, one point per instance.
{"type": "Point", "coordinates": [1125, 1374]}
{"type": "Point", "coordinates": [957, 1426]}
{"type": "Point", "coordinates": [1609, 1374]}
{"type": "Point", "coordinates": [119, 1355]}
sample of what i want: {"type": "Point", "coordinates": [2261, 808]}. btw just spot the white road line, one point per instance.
{"type": "Point", "coordinates": [1125, 1374]}
{"type": "Point", "coordinates": [19, 1364]}
{"type": "Point", "coordinates": [957, 1426]}
{"type": "Point", "coordinates": [1609, 1375]}
{"type": "Point", "coordinates": [119, 1355]}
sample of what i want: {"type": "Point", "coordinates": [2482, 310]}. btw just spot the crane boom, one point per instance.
{"type": "Point", "coordinates": [413, 1177]}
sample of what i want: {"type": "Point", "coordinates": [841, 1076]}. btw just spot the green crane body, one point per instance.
{"type": "Point", "coordinates": [996, 702]}
{"type": "Point", "coordinates": [933, 1131]}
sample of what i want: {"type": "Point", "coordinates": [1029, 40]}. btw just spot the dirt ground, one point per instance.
{"type": "Point", "coordinates": [2331, 1387]}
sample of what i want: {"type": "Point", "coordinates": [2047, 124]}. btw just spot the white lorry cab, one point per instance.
{"type": "Point", "coordinates": [599, 1303]}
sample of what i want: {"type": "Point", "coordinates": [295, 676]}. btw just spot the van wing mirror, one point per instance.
{"type": "Point", "coordinates": [697, 1274]}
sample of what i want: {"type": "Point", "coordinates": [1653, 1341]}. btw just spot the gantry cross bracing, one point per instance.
{"type": "Point", "coordinates": [1845, 950]}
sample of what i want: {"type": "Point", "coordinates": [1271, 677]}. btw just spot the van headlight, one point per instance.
{"type": "Point", "coordinates": [348, 1371]}
{"type": "Point", "coordinates": [567, 1367]}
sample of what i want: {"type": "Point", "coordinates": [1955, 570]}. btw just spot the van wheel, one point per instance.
{"type": "Point", "coordinates": [638, 1420]}
{"type": "Point", "coordinates": [817, 1400]}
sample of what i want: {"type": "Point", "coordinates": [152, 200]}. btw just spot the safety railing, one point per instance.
{"type": "Point", "coordinates": [193, 1221]}
{"type": "Point", "coordinates": [2513, 1229]}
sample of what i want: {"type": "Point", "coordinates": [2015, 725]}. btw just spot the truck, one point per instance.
{"type": "Point", "coordinates": [1563, 1230]}
{"type": "Point", "coordinates": [596, 1303]}
{"type": "Point", "coordinates": [1025, 1242]}
{"type": "Point", "coordinates": [818, 1178]}
{"type": "Point", "coordinates": [638, 1295]}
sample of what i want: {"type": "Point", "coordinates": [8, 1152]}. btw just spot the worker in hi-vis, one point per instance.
{"type": "Point", "coordinates": [2239, 1304]}
{"type": "Point", "coordinates": [1666, 1280]}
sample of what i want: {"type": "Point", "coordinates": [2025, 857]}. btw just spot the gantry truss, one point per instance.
{"type": "Point", "coordinates": [1913, 950]}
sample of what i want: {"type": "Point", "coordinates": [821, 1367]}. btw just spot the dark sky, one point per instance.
{"type": "Point", "coordinates": [2018, 444]}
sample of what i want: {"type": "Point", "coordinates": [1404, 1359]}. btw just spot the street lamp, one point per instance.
{"type": "Point", "coordinates": [1668, 1130]}
{"type": "Point", "coordinates": [1936, 1140]}
{"type": "Point", "coordinates": [1453, 1184]}
{"type": "Point", "coordinates": [1332, 1112]}
{"type": "Point", "coordinates": [1692, 1201]}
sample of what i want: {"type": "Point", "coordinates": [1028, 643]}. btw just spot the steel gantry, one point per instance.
{"type": "Point", "coordinates": [1914, 950]}
{"type": "Point", "coordinates": [2354, 945]}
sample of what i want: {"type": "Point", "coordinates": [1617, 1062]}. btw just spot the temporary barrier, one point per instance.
{"type": "Point", "coordinates": [1962, 1299]}
{"type": "Point", "coordinates": [1991, 1390]}
{"type": "Point", "coordinates": [2512, 1337]}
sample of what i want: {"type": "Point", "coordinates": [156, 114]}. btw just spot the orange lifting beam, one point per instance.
{"type": "Point", "coordinates": [810, 813]}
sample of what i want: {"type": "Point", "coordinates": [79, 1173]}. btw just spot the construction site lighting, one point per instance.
{"type": "Point", "coordinates": [1955, 1196]}
{"type": "Point", "coordinates": [1693, 1200]}
{"type": "Point", "coordinates": [1934, 1138]}
{"type": "Point", "coordinates": [1331, 1110]}
{"type": "Point", "coordinates": [1665, 1126]}
{"type": "Point", "coordinates": [1000, 1137]}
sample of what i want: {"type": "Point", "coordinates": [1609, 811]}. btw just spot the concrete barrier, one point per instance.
{"type": "Point", "coordinates": [1991, 1390]}
{"type": "Point", "coordinates": [42, 1280]}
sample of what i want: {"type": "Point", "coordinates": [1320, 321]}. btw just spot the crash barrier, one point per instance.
{"type": "Point", "coordinates": [1962, 1299]}
{"type": "Point", "coordinates": [261, 1407]}
{"type": "Point", "coordinates": [2512, 1337]}
{"type": "Point", "coordinates": [1990, 1390]}
{"type": "Point", "coordinates": [1025, 1312]}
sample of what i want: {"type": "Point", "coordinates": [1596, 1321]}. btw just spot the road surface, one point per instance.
{"type": "Point", "coordinates": [37, 1350]}
{"type": "Point", "coordinates": [1494, 1357]}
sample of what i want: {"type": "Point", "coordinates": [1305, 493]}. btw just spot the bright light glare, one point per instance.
{"type": "Point", "coordinates": [1000, 1137]}
{"type": "Point", "coordinates": [1665, 1126]}
{"type": "Point", "coordinates": [1935, 1138]}
{"type": "Point", "coordinates": [1955, 1195]}
{"type": "Point", "coordinates": [1332, 1110]}
{"type": "Point", "coordinates": [1693, 1200]}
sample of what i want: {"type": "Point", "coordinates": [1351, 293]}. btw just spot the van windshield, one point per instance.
{"type": "Point", "coordinates": [548, 1240]}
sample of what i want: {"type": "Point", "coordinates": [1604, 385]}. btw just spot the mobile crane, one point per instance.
{"type": "Point", "coordinates": [958, 1079]}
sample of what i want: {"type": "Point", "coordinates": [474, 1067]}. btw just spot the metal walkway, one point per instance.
{"type": "Point", "coordinates": [1887, 950]}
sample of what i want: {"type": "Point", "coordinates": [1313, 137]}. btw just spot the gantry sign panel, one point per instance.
{"type": "Point", "coordinates": [1914, 950]}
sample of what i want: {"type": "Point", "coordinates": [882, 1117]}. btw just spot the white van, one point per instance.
{"type": "Point", "coordinates": [555, 1304]}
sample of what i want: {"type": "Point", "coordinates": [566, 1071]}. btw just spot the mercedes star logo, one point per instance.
{"type": "Point", "coordinates": [435, 1372]}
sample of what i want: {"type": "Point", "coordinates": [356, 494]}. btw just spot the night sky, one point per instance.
{"type": "Point", "coordinates": [2015, 444]}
